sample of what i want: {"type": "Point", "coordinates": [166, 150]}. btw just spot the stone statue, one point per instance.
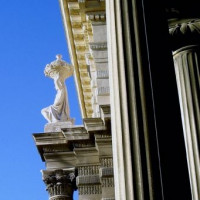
{"type": "Point", "coordinates": [59, 71]}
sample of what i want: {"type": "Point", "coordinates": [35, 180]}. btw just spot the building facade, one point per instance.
{"type": "Point", "coordinates": [137, 76]}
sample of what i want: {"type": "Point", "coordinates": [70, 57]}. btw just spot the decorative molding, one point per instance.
{"type": "Point", "coordinates": [96, 16]}
{"type": "Point", "coordinates": [106, 172]}
{"type": "Point", "coordinates": [107, 182]}
{"type": "Point", "coordinates": [55, 148]}
{"type": "Point", "coordinates": [94, 124]}
{"type": "Point", "coordinates": [98, 46]}
{"type": "Point", "coordinates": [85, 180]}
{"type": "Point", "coordinates": [103, 91]}
{"type": "Point", "coordinates": [105, 114]}
{"type": "Point", "coordinates": [102, 74]}
{"type": "Point", "coordinates": [59, 197]}
{"type": "Point", "coordinates": [88, 170]}
{"type": "Point", "coordinates": [102, 136]}
{"type": "Point", "coordinates": [84, 144]}
{"type": "Point", "coordinates": [90, 189]}
{"type": "Point", "coordinates": [106, 162]}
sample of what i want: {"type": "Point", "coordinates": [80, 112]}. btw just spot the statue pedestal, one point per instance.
{"type": "Point", "coordinates": [57, 126]}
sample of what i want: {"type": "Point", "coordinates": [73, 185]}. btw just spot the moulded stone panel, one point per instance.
{"type": "Point", "coordinates": [103, 82]}
{"type": "Point", "coordinates": [102, 65]}
{"type": "Point", "coordinates": [105, 149]}
{"type": "Point", "coordinates": [60, 160]}
{"type": "Point", "coordinates": [99, 32]}
{"type": "Point", "coordinates": [103, 100]}
{"type": "Point", "coordinates": [106, 171]}
{"type": "Point", "coordinates": [102, 73]}
{"type": "Point", "coordinates": [91, 179]}
{"type": "Point", "coordinates": [100, 54]}
{"type": "Point", "coordinates": [86, 155]}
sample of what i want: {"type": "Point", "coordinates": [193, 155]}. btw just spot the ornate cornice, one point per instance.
{"type": "Point", "coordinates": [79, 17]}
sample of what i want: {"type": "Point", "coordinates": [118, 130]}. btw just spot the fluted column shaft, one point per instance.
{"type": "Point", "coordinates": [187, 66]}
{"type": "Point", "coordinates": [59, 184]}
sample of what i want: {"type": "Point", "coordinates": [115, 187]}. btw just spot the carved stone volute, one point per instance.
{"type": "Point", "coordinates": [59, 184]}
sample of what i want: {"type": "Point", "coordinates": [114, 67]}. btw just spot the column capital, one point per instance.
{"type": "Point", "coordinates": [60, 183]}
{"type": "Point", "coordinates": [184, 32]}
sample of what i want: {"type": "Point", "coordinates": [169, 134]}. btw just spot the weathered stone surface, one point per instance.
{"type": "Point", "coordinates": [106, 172]}
{"type": "Point", "coordinates": [187, 76]}
{"type": "Point", "coordinates": [59, 183]}
{"type": "Point", "coordinates": [85, 180]}
{"type": "Point", "coordinates": [58, 126]}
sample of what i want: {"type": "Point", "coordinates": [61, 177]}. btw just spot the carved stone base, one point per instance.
{"type": "Point", "coordinates": [57, 126]}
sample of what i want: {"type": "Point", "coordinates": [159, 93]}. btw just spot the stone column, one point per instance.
{"type": "Point", "coordinates": [145, 113]}
{"type": "Point", "coordinates": [186, 61]}
{"type": "Point", "coordinates": [60, 184]}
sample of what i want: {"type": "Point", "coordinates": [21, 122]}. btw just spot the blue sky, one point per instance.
{"type": "Point", "coordinates": [31, 34]}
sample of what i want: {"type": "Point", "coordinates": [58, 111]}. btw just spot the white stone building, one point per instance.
{"type": "Point", "coordinates": [140, 137]}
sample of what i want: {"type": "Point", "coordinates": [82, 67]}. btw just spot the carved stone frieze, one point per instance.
{"type": "Point", "coordinates": [98, 45]}
{"type": "Point", "coordinates": [106, 172]}
{"type": "Point", "coordinates": [84, 144]}
{"type": "Point", "coordinates": [88, 170]}
{"type": "Point", "coordinates": [86, 180]}
{"type": "Point", "coordinates": [102, 136]}
{"type": "Point", "coordinates": [106, 162]}
{"type": "Point", "coordinates": [57, 148]}
{"type": "Point", "coordinates": [90, 189]}
{"type": "Point", "coordinates": [102, 74]}
{"type": "Point", "coordinates": [103, 90]}
{"type": "Point", "coordinates": [107, 182]}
